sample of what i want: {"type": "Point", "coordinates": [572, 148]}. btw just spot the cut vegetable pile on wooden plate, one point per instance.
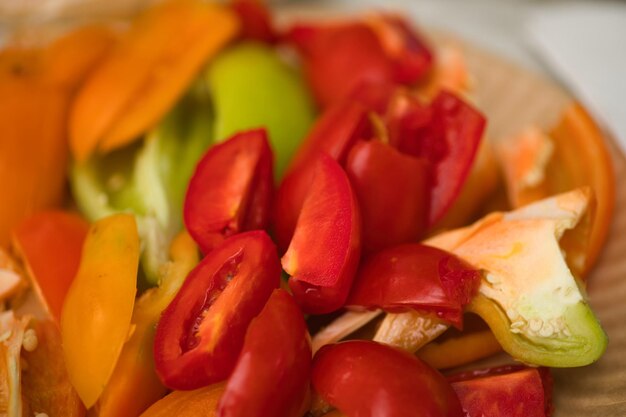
{"type": "Point", "coordinates": [323, 217]}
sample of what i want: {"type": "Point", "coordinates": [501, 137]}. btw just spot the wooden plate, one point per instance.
{"type": "Point", "coordinates": [512, 97]}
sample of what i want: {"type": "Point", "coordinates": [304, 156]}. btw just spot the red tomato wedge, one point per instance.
{"type": "Point", "coordinates": [418, 277]}
{"type": "Point", "coordinates": [50, 244]}
{"type": "Point", "coordinates": [447, 133]}
{"type": "Point", "coordinates": [324, 253]}
{"type": "Point", "coordinates": [367, 379]}
{"type": "Point", "coordinates": [272, 375]}
{"type": "Point", "coordinates": [201, 332]}
{"type": "Point", "coordinates": [231, 190]}
{"type": "Point", "coordinates": [393, 191]}
{"type": "Point", "coordinates": [510, 391]}
{"type": "Point", "coordinates": [339, 57]}
{"type": "Point", "coordinates": [334, 133]}
{"type": "Point", "coordinates": [256, 21]}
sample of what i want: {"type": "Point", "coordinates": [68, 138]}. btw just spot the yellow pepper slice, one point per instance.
{"type": "Point", "coordinates": [96, 316]}
{"type": "Point", "coordinates": [134, 385]}
{"type": "Point", "coordinates": [201, 402]}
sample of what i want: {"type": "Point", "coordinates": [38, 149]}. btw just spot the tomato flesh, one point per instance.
{"type": "Point", "coordinates": [231, 189]}
{"type": "Point", "coordinates": [418, 277]}
{"type": "Point", "coordinates": [201, 332]}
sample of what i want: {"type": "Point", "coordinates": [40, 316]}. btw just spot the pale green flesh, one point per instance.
{"type": "Point", "coordinates": [150, 177]}
{"type": "Point", "coordinates": [583, 344]}
{"type": "Point", "coordinates": [252, 88]}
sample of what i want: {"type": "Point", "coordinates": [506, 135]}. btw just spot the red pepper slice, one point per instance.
{"type": "Point", "coordinates": [340, 57]}
{"type": "Point", "coordinates": [393, 191]}
{"type": "Point", "coordinates": [367, 379]}
{"type": "Point", "coordinates": [256, 21]}
{"type": "Point", "coordinates": [231, 189]}
{"type": "Point", "coordinates": [510, 391]}
{"type": "Point", "coordinates": [201, 332]}
{"type": "Point", "coordinates": [447, 133]}
{"type": "Point", "coordinates": [324, 253]}
{"type": "Point", "coordinates": [50, 243]}
{"type": "Point", "coordinates": [272, 375]}
{"type": "Point", "coordinates": [416, 276]}
{"type": "Point", "coordinates": [334, 133]}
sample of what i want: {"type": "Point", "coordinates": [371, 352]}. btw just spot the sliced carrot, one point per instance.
{"type": "Point", "coordinates": [460, 350]}
{"type": "Point", "coordinates": [146, 73]}
{"type": "Point", "coordinates": [50, 245]}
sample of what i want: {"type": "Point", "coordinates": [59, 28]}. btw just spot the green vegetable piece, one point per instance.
{"type": "Point", "coordinates": [529, 295]}
{"type": "Point", "coordinates": [253, 87]}
{"type": "Point", "coordinates": [150, 178]}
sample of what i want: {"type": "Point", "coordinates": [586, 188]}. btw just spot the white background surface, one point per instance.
{"type": "Point", "coordinates": [579, 43]}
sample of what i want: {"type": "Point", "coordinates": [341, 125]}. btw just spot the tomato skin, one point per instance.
{"type": "Point", "coordinates": [340, 57]}
{"type": "Point", "coordinates": [324, 252]}
{"type": "Point", "coordinates": [231, 189]}
{"type": "Point", "coordinates": [256, 20]}
{"type": "Point", "coordinates": [201, 332]}
{"type": "Point", "coordinates": [272, 374]}
{"type": "Point", "coordinates": [393, 192]}
{"type": "Point", "coordinates": [416, 276]}
{"type": "Point", "coordinates": [447, 132]}
{"type": "Point", "coordinates": [367, 379]}
{"type": "Point", "coordinates": [510, 391]}
{"type": "Point", "coordinates": [334, 133]}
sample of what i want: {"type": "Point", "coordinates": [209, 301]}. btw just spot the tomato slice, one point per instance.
{"type": "Point", "coordinates": [324, 253]}
{"type": "Point", "coordinates": [447, 133]}
{"type": "Point", "coordinates": [393, 191]}
{"type": "Point", "coordinates": [256, 21]}
{"type": "Point", "coordinates": [334, 133]}
{"type": "Point", "coordinates": [508, 391]}
{"type": "Point", "coordinates": [419, 277]}
{"type": "Point", "coordinates": [339, 57]}
{"type": "Point", "coordinates": [201, 332]}
{"type": "Point", "coordinates": [337, 129]}
{"type": "Point", "coordinates": [231, 189]}
{"type": "Point", "coordinates": [271, 379]}
{"type": "Point", "coordinates": [368, 379]}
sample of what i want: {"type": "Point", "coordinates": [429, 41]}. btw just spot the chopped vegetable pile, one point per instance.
{"type": "Point", "coordinates": [286, 221]}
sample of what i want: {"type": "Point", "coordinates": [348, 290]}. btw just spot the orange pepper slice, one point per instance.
{"type": "Point", "coordinates": [72, 57]}
{"type": "Point", "coordinates": [50, 244]}
{"type": "Point", "coordinates": [200, 402]}
{"type": "Point", "coordinates": [134, 385]}
{"type": "Point", "coordinates": [579, 157]}
{"type": "Point", "coordinates": [460, 350]}
{"type": "Point", "coordinates": [146, 73]}
{"type": "Point", "coordinates": [582, 153]}
{"type": "Point", "coordinates": [36, 86]}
